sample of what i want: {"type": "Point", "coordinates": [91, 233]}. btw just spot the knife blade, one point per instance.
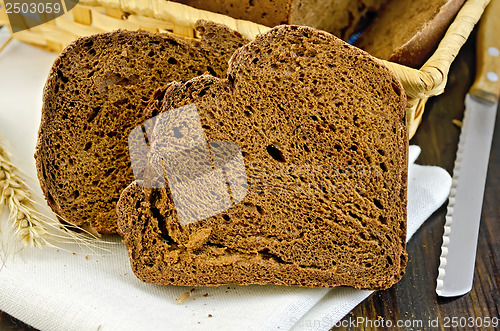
{"type": "Point", "coordinates": [458, 250]}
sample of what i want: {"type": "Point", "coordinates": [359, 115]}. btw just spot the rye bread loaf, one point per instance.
{"type": "Point", "coordinates": [338, 17]}
{"type": "Point", "coordinates": [95, 95]}
{"type": "Point", "coordinates": [322, 133]}
{"type": "Point", "coordinates": [407, 31]}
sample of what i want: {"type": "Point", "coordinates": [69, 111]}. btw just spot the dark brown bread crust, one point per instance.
{"type": "Point", "coordinates": [408, 32]}
{"type": "Point", "coordinates": [322, 130]}
{"type": "Point", "coordinates": [95, 95]}
{"type": "Point", "coordinates": [338, 17]}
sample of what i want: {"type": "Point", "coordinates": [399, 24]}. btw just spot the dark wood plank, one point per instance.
{"type": "Point", "coordinates": [9, 323]}
{"type": "Point", "coordinates": [414, 299]}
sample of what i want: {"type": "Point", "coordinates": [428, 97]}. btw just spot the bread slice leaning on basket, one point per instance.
{"type": "Point", "coordinates": [408, 32]}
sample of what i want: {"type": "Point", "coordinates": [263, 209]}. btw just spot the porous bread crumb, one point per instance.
{"type": "Point", "coordinates": [183, 298]}
{"type": "Point", "coordinates": [457, 123]}
{"type": "Point", "coordinates": [297, 101]}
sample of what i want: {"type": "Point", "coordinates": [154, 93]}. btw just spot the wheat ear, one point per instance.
{"type": "Point", "coordinates": [27, 223]}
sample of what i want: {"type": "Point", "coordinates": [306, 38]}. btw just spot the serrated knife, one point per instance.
{"type": "Point", "coordinates": [458, 251]}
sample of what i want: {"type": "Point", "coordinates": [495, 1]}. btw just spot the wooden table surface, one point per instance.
{"type": "Point", "coordinates": [413, 300]}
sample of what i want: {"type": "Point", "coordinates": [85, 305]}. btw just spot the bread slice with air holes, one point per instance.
{"type": "Point", "coordinates": [95, 94]}
{"type": "Point", "coordinates": [322, 133]}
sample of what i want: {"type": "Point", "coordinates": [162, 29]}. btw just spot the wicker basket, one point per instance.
{"type": "Point", "coordinates": [94, 16]}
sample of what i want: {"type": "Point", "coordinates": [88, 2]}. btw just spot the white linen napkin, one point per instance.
{"type": "Point", "coordinates": [81, 289]}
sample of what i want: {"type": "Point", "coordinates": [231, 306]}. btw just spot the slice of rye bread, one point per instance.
{"type": "Point", "coordinates": [407, 31]}
{"type": "Point", "coordinates": [95, 95]}
{"type": "Point", "coordinates": [322, 131]}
